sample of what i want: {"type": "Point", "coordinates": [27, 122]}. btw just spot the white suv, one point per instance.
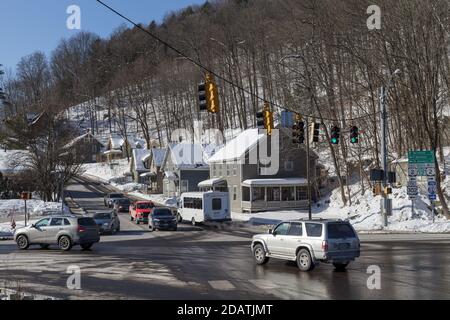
{"type": "Point", "coordinates": [309, 242]}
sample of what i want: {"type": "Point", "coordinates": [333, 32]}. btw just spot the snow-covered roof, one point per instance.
{"type": "Point", "coordinates": [138, 159]}
{"type": "Point", "coordinates": [237, 147]}
{"type": "Point", "coordinates": [275, 182]}
{"type": "Point", "coordinates": [80, 138]}
{"type": "Point", "coordinates": [158, 156]}
{"type": "Point", "coordinates": [211, 183]}
{"type": "Point", "coordinates": [187, 155]}
{"type": "Point", "coordinates": [116, 142]}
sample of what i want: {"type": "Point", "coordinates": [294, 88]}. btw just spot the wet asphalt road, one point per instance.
{"type": "Point", "coordinates": [209, 263]}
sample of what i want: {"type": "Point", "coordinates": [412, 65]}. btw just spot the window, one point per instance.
{"type": "Point", "coordinates": [245, 194]}
{"type": "Point", "coordinates": [288, 193]}
{"type": "Point", "coordinates": [289, 165]}
{"type": "Point", "coordinates": [216, 204]}
{"type": "Point", "coordinates": [234, 193]}
{"type": "Point", "coordinates": [56, 222]}
{"type": "Point", "coordinates": [184, 186]}
{"type": "Point", "coordinates": [258, 194]}
{"type": "Point", "coordinates": [193, 203]}
{"type": "Point", "coordinates": [66, 222]}
{"type": "Point", "coordinates": [296, 229]}
{"type": "Point", "coordinates": [313, 229]}
{"type": "Point", "coordinates": [213, 170]}
{"type": "Point", "coordinates": [273, 194]}
{"type": "Point", "coordinates": [302, 193]}
{"type": "Point", "coordinates": [282, 229]}
{"type": "Point", "coordinates": [43, 223]}
{"type": "Point", "coordinates": [235, 167]}
{"type": "Point", "coordinates": [340, 230]}
{"type": "Point", "coordinates": [228, 169]}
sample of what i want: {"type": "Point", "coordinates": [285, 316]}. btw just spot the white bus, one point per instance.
{"type": "Point", "coordinates": [198, 207]}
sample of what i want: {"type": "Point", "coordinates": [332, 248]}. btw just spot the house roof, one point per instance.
{"type": "Point", "coordinates": [116, 141]}
{"type": "Point", "coordinates": [237, 147]}
{"type": "Point", "coordinates": [189, 156]}
{"type": "Point", "coordinates": [80, 138]}
{"type": "Point", "coordinates": [158, 156]}
{"type": "Point", "coordinates": [138, 159]}
{"type": "Point", "coordinates": [275, 182]}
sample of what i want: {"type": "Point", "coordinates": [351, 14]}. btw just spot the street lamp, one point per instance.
{"type": "Point", "coordinates": [384, 143]}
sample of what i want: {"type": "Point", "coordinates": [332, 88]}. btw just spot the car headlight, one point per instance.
{"type": "Point", "coordinates": [106, 224]}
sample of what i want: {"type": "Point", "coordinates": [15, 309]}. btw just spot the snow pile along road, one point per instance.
{"type": "Point", "coordinates": [34, 208]}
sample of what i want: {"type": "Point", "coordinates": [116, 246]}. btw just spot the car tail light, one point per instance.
{"type": "Point", "coordinates": [325, 245]}
{"type": "Point", "coordinates": [81, 229]}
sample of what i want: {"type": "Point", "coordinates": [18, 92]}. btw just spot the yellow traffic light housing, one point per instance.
{"type": "Point", "coordinates": [212, 94]}
{"type": "Point", "coordinates": [268, 119]}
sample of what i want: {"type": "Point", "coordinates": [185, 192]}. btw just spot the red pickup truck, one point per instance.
{"type": "Point", "coordinates": [140, 210]}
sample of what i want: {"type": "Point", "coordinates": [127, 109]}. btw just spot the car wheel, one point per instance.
{"type": "Point", "coordinates": [340, 266]}
{"type": "Point", "coordinates": [45, 246]}
{"type": "Point", "coordinates": [87, 246]}
{"type": "Point", "coordinates": [304, 260]}
{"type": "Point", "coordinates": [138, 222]}
{"type": "Point", "coordinates": [131, 218]}
{"type": "Point", "coordinates": [22, 242]}
{"type": "Point", "coordinates": [193, 222]}
{"type": "Point", "coordinates": [150, 228]}
{"type": "Point", "coordinates": [259, 255]}
{"type": "Point", "coordinates": [65, 243]}
{"type": "Point", "coordinates": [179, 218]}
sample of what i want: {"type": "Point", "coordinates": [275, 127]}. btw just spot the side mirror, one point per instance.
{"type": "Point", "coordinates": [270, 231]}
{"type": "Point", "coordinates": [33, 226]}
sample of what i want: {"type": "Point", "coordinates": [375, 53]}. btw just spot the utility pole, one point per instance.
{"type": "Point", "coordinates": [384, 153]}
{"type": "Point", "coordinates": [308, 176]}
{"type": "Point", "coordinates": [62, 193]}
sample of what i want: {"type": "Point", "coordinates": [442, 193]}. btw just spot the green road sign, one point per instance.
{"type": "Point", "coordinates": [421, 157]}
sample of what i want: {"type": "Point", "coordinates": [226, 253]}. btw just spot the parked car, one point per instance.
{"type": "Point", "coordinates": [140, 210]}
{"type": "Point", "coordinates": [110, 197]}
{"type": "Point", "coordinates": [64, 231]}
{"type": "Point", "coordinates": [121, 205]}
{"type": "Point", "coordinates": [309, 242]}
{"type": "Point", "coordinates": [162, 219]}
{"type": "Point", "coordinates": [107, 222]}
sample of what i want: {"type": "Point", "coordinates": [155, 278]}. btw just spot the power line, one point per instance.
{"type": "Point", "coordinates": [205, 68]}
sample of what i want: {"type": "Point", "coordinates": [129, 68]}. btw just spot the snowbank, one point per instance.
{"type": "Point", "coordinates": [34, 207]}
{"type": "Point", "coordinates": [364, 214]}
{"type": "Point", "coordinates": [105, 172]}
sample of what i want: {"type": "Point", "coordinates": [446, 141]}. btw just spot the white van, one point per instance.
{"type": "Point", "coordinates": [198, 207]}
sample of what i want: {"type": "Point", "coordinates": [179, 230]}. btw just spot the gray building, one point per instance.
{"type": "Point", "coordinates": [239, 169]}
{"type": "Point", "coordinates": [85, 148]}
{"type": "Point", "coordinates": [184, 166]}
{"type": "Point", "coordinates": [138, 167]}
{"type": "Point", "coordinates": [156, 175]}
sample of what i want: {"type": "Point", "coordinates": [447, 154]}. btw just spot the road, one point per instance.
{"type": "Point", "coordinates": [216, 263]}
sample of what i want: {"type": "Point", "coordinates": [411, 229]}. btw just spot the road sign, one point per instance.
{"type": "Point", "coordinates": [413, 191]}
{"type": "Point", "coordinates": [432, 197]}
{"type": "Point", "coordinates": [421, 157]}
{"type": "Point", "coordinates": [412, 170]}
{"type": "Point", "coordinates": [431, 171]}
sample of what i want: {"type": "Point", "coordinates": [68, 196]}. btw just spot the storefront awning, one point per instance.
{"type": "Point", "coordinates": [275, 182]}
{"type": "Point", "coordinates": [211, 183]}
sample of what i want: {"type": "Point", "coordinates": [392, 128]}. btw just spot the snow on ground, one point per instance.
{"type": "Point", "coordinates": [34, 207]}
{"type": "Point", "coordinates": [364, 214]}
{"type": "Point", "coordinates": [105, 172]}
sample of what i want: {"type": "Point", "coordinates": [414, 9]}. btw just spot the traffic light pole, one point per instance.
{"type": "Point", "coordinates": [308, 176]}
{"type": "Point", "coordinates": [384, 154]}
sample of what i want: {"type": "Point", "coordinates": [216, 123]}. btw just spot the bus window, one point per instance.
{"type": "Point", "coordinates": [216, 204]}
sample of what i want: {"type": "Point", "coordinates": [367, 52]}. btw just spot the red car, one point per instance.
{"type": "Point", "coordinates": [140, 210]}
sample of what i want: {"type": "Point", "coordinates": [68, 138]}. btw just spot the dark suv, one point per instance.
{"type": "Point", "coordinates": [162, 219]}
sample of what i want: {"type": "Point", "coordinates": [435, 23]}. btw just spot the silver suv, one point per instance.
{"type": "Point", "coordinates": [309, 242]}
{"type": "Point", "coordinates": [65, 231]}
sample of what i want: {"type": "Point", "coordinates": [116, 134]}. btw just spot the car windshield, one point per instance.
{"type": "Point", "coordinates": [340, 230]}
{"type": "Point", "coordinates": [102, 216]}
{"type": "Point", "coordinates": [123, 202]}
{"type": "Point", "coordinates": [116, 195]}
{"type": "Point", "coordinates": [144, 206]}
{"type": "Point", "coordinates": [162, 213]}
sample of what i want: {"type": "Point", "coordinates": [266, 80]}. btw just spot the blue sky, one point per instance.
{"type": "Point", "coordinates": [38, 25]}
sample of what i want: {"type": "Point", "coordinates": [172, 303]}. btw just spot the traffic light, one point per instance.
{"type": "Point", "coordinates": [202, 97]}
{"type": "Point", "coordinates": [209, 95]}
{"type": "Point", "coordinates": [298, 130]}
{"type": "Point", "coordinates": [354, 135]}
{"type": "Point", "coordinates": [335, 135]}
{"type": "Point", "coordinates": [212, 94]}
{"type": "Point", "coordinates": [264, 119]}
{"type": "Point", "coordinates": [315, 132]}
